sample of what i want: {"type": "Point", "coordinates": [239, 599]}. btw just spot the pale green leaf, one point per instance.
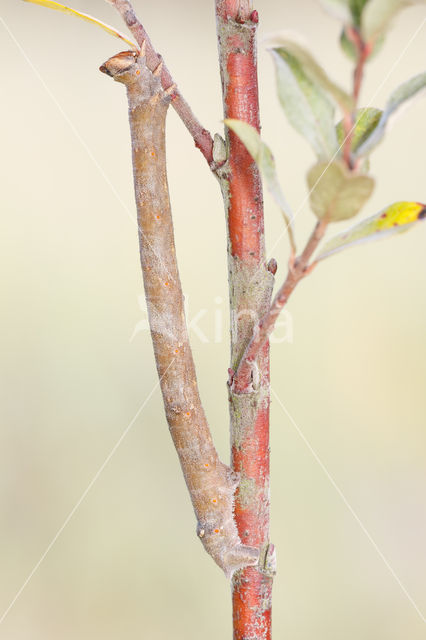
{"type": "Point", "coordinates": [84, 16]}
{"type": "Point", "coordinates": [312, 69]}
{"type": "Point", "coordinates": [378, 15]}
{"type": "Point", "coordinates": [400, 97]}
{"type": "Point", "coordinates": [264, 159]}
{"type": "Point", "coordinates": [405, 91]}
{"type": "Point", "coordinates": [336, 193]}
{"type": "Point", "coordinates": [396, 218]}
{"type": "Point", "coordinates": [308, 108]}
{"type": "Point", "coordinates": [365, 123]}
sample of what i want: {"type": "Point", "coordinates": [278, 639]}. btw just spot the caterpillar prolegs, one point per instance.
{"type": "Point", "coordinates": [211, 483]}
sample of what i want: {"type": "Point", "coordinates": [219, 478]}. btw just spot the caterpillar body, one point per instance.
{"type": "Point", "coordinates": [211, 483]}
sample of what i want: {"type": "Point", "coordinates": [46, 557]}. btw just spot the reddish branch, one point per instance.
{"type": "Point", "coordinates": [250, 290]}
{"type": "Point", "coordinates": [240, 95]}
{"type": "Point", "coordinates": [363, 51]}
{"type": "Point", "coordinates": [202, 138]}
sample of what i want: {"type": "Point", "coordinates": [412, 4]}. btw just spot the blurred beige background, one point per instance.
{"type": "Point", "coordinates": [76, 363]}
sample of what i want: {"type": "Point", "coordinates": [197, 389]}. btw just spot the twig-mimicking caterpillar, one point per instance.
{"type": "Point", "coordinates": [211, 483]}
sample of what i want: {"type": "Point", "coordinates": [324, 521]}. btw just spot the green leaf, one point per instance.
{"type": "Point", "coordinates": [308, 108]}
{"type": "Point", "coordinates": [396, 218]}
{"type": "Point", "coordinates": [401, 96]}
{"type": "Point", "coordinates": [312, 69]}
{"type": "Point", "coordinates": [264, 159]}
{"type": "Point", "coordinates": [378, 15]}
{"type": "Point", "coordinates": [338, 8]}
{"type": "Point", "coordinates": [336, 193]}
{"type": "Point", "coordinates": [365, 122]}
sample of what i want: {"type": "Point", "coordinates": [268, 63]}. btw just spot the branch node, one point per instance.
{"type": "Point", "coordinates": [272, 266]}
{"type": "Point", "coordinates": [219, 150]}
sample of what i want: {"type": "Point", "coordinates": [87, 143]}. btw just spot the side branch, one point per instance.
{"type": "Point", "coordinates": [297, 271]}
{"type": "Point", "coordinates": [202, 138]}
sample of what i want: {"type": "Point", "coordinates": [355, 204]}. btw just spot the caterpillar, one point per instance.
{"type": "Point", "coordinates": [210, 482]}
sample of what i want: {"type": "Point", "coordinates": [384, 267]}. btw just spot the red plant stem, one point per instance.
{"type": "Point", "coordinates": [250, 290]}
{"type": "Point", "coordinates": [202, 138]}
{"type": "Point", "coordinates": [363, 52]}
{"type": "Point", "coordinates": [266, 325]}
